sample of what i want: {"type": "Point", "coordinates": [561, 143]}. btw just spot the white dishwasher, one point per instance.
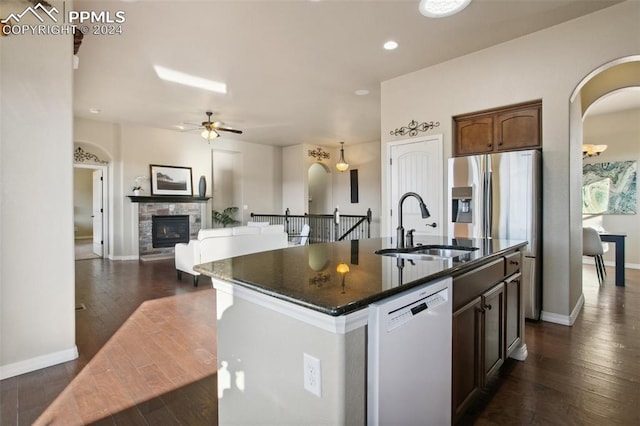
{"type": "Point", "coordinates": [409, 357]}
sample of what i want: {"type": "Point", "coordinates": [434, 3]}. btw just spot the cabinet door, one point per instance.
{"type": "Point", "coordinates": [518, 129]}
{"type": "Point", "coordinates": [466, 374]}
{"type": "Point", "coordinates": [513, 326]}
{"type": "Point", "coordinates": [474, 135]}
{"type": "Point", "coordinates": [493, 306]}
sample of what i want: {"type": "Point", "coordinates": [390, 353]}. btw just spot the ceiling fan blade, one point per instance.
{"type": "Point", "coordinates": [227, 129]}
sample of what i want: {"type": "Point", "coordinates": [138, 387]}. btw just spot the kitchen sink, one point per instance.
{"type": "Point", "coordinates": [430, 252]}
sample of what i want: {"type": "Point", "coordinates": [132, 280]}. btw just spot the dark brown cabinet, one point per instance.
{"type": "Point", "coordinates": [487, 326]}
{"type": "Point", "coordinates": [513, 325]}
{"type": "Point", "coordinates": [493, 313]}
{"type": "Point", "coordinates": [467, 337]}
{"type": "Point", "coordinates": [503, 129]}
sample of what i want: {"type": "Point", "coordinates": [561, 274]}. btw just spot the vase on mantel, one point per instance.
{"type": "Point", "coordinates": [202, 187]}
{"type": "Point", "coordinates": [136, 192]}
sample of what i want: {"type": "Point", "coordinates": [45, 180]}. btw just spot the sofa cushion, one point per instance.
{"type": "Point", "coordinates": [245, 230]}
{"type": "Point", "coordinates": [258, 224]}
{"type": "Point", "coordinates": [214, 232]}
{"type": "Point", "coordinates": [272, 229]}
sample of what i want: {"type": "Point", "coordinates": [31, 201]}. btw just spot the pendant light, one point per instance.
{"type": "Point", "coordinates": [589, 150]}
{"type": "Point", "coordinates": [342, 165]}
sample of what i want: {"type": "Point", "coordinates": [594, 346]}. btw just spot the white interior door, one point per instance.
{"type": "Point", "coordinates": [416, 166]}
{"type": "Point", "coordinates": [97, 212]}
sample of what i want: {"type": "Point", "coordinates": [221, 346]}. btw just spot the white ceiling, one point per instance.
{"type": "Point", "coordinates": [291, 67]}
{"type": "Point", "coordinates": [616, 101]}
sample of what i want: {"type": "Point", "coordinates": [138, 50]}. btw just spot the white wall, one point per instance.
{"type": "Point", "coordinates": [365, 157]}
{"type": "Point", "coordinates": [37, 303]}
{"type": "Point", "coordinates": [133, 148]}
{"type": "Point", "coordinates": [620, 131]}
{"type": "Point", "coordinates": [545, 65]}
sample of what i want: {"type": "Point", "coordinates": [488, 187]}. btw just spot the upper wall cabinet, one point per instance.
{"type": "Point", "coordinates": [503, 129]}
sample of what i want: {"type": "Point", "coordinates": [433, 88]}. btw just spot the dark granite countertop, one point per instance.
{"type": "Point", "coordinates": [308, 276]}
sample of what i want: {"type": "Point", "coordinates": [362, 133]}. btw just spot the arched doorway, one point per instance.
{"type": "Point", "coordinates": [602, 83]}
{"type": "Point", "coordinates": [320, 193]}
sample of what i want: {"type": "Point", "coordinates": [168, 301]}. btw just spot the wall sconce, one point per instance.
{"type": "Point", "coordinates": [589, 150]}
{"type": "Point", "coordinates": [342, 165]}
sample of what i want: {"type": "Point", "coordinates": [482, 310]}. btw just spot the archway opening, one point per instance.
{"type": "Point", "coordinates": [600, 106]}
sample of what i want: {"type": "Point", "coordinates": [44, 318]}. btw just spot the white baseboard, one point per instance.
{"type": "Point", "coordinates": [564, 319]}
{"type": "Point", "coordinates": [130, 257]}
{"type": "Point", "coordinates": [589, 261]}
{"type": "Point", "coordinates": [37, 363]}
{"type": "Point", "coordinates": [520, 353]}
{"type": "Point", "coordinates": [152, 257]}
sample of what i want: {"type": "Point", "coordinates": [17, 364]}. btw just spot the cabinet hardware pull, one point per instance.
{"type": "Point", "coordinates": [481, 310]}
{"type": "Point", "coordinates": [500, 143]}
{"type": "Point", "coordinates": [489, 145]}
{"type": "Point", "coordinates": [514, 262]}
{"type": "Point", "coordinates": [488, 307]}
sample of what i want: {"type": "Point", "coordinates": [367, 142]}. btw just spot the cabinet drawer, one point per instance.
{"type": "Point", "coordinates": [513, 263]}
{"type": "Point", "coordinates": [468, 286]}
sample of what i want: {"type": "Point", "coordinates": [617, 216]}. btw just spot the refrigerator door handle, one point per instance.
{"type": "Point", "coordinates": [489, 206]}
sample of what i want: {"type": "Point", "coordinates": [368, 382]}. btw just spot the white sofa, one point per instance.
{"type": "Point", "coordinates": [221, 243]}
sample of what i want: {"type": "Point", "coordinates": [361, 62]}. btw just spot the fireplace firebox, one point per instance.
{"type": "Point", "coordinates": [167, 231]}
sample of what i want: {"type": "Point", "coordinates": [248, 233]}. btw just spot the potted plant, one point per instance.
{"type": "Point", "coordinates": [225, 217]}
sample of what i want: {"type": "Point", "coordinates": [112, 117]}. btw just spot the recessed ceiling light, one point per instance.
{"type": "Point", "coordinates": [390, 45]}
{"type": "Point", "coordinates": [442, 8]}
{"type": "Point", "coordinates": [361, 92]}
{"type": "Point", "coordinates": [189, 80]}
{"type": "Point", "coordinates": [94, 110]}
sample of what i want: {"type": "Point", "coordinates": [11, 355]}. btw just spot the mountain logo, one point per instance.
{"type": "Point", "coordinates": [38, 10]}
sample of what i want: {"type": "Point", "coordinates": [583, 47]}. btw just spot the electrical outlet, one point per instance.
{"type": "Point", "coordinates": [312, 375]}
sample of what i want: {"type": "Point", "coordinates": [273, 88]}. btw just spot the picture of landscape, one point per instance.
{"type": "Point", "coordinates": [171, 180]}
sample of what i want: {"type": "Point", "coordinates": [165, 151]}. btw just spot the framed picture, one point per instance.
{"type": "Point", "coordinates": [609, 188]}
{"type": "Point", "coordinates": [170, 180]}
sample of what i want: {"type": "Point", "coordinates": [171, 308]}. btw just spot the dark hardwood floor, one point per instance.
{"type": "Point", "coordinates": [585, 374]}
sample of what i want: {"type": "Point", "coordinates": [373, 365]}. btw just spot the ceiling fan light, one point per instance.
{"type": "Point", "coordinates": [441, 8]}
{"type": "Point", "coordinates": [209, 134]}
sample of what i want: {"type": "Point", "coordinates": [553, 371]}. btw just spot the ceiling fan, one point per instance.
{"type": "Point", "coordinates": [211, 128]}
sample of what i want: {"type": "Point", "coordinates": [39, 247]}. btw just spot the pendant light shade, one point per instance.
{"type": "Point", "coordinates": [589, 150]}
{"type": "Point", "coordinates": [342, 165]}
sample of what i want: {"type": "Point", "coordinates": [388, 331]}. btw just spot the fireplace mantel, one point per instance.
{"type": "Point", "coordinates": [167, 199]}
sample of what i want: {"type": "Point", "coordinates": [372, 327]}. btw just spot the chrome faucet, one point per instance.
{"type": "Point", "coordinates": [423, 210]}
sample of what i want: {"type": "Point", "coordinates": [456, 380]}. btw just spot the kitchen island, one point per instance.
{"type": "Point", "coordinates": [275, 307]}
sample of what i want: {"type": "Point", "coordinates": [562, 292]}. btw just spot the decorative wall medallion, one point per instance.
{"type": "Point", "coordinates": [413, 128]}
{"type": "Point", "coordinates": [319, 279]}
{"type": "Point", "coordinates": [319, 154]}
{"type": "Point", "coordinates": [80, 156]}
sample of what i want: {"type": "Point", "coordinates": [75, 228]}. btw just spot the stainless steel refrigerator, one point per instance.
{"type": "Point", "coordinates": [500, 196]}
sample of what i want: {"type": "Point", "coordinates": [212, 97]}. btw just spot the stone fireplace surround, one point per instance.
{"type": "Point", "coordinates": [194, 207]}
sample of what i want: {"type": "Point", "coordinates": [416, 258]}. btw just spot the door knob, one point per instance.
{"type": "Point", "coordinates": [433, 225]}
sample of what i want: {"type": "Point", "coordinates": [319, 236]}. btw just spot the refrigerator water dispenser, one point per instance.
{"type": "Point", "coordinates": [461, 204]}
